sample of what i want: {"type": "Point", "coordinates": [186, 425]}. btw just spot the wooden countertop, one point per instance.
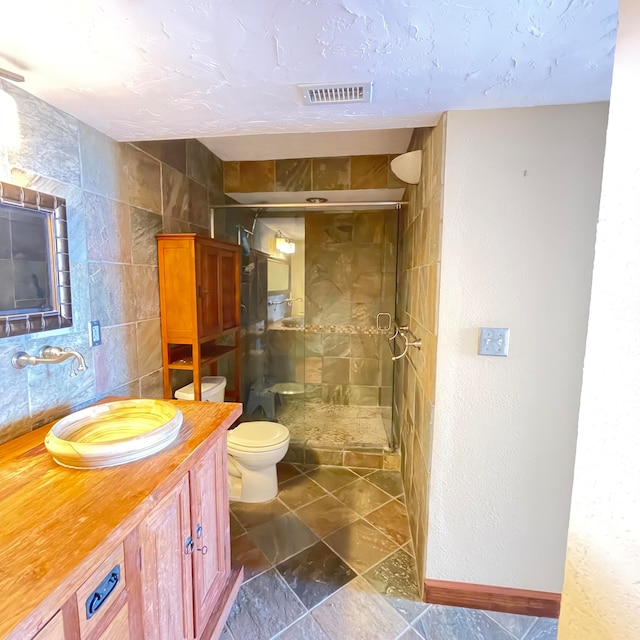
{"type": "Point", "coordinates": [54, 521]}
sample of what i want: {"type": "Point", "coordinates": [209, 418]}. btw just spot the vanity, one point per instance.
{"type": "Point", "coordinates": [135, 551]}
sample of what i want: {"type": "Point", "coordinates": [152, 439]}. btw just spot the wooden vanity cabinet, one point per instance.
{"type": "Point", "coordinates": [160, 524]}
{"type": "Point", "coordinates": [199, 304]}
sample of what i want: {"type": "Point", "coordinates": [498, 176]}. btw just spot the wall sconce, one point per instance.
{"type": "Point", "coordinates": [407, 166]}
{"type": "Point", "coordinates": [283, 244]}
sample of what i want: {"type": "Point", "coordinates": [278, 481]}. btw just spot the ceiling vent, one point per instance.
{"type": "Point", "coordinates": [336, 93]}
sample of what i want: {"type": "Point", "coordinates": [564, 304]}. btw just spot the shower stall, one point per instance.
{"type": "Point", "coordinates": [318, 302]}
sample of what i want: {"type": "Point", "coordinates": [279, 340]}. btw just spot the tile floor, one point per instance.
{"type": "Point", "coordinates": [331, 559]}
{"type": "Point", "coordinates": [331, 424]}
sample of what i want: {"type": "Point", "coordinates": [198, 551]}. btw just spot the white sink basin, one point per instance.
{"type": "Point", "coordinates": [114, 433]}
{"type": "Point", "coordinates": [294, 321]}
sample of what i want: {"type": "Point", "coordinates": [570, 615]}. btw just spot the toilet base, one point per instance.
{"type": "Point", "coordinates": [254, 486]}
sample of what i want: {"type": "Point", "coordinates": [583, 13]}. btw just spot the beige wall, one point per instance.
{"type": "Point", "coordinates": [417, 306]}
{"type": "Point", "coordinates": [521, 193]}
{"type": "Point", "coordinates": [601, 593]}
{"type": "Point", "coordinates": [118, 197]}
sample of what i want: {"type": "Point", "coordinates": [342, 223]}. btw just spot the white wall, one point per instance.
{"type": "Point", "coordinates": [520, 206]}
{"type": "Point", "coordinates": [601, 595]}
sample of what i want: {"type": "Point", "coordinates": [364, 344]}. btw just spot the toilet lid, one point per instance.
{"type": "Point", "coordinates": [257, 435]}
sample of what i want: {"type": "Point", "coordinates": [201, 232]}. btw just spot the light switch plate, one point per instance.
{"type": "Point", "coordinates": [95, 334]}
{"type": "Point", "coordinates": [493, 342]}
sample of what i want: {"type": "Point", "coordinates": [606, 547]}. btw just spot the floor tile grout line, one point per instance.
{"type": "Point", "coordinates": [522, 637]}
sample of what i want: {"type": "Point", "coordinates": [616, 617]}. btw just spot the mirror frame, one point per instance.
{"type": "Point", "coordinates": [56, 210]}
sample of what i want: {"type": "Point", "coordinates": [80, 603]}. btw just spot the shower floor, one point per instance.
{"type": "Point", "coordinates": [331, 425]}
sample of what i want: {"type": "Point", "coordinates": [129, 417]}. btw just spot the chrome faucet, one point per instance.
{"type": "Point", "coordinates": [290, 300]}
{"type": "Point", "coordinates": [51, 355]}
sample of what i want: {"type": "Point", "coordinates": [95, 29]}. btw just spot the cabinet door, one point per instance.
{"type": "Point", "coordinates": [166, 568]}
{"type": "Point", "coordinates": [119, 627]}
{"type": "Point", "coordinates": [210, 515]}
{"type": "Point", "coordinates": [53, 630]}
{"type": "Point", "coordinates": [209, 302]}
{"type": "Point", "coordinates": [229, 278]}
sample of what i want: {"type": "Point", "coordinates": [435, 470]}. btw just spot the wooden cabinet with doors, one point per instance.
{"type": "Point", "coordinates": [137, 551]}
{"type": "Point", "coordinates": [199, 307]}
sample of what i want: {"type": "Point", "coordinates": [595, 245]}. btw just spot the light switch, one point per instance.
{"type": "Point", "coordinates": [494, 342]}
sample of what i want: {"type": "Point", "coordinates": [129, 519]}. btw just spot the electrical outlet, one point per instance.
{"type": "Point", "coordinates": [494, 342]}
{"type": "Point", "coordinates": [95, 335]}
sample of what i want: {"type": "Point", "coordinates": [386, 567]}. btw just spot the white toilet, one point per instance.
{"type": "Point", "coordinates": [254, 449]}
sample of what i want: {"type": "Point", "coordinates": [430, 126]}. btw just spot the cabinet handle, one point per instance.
{"type": "Point", "coordinates": [189, 546]}
{"type": "Point", "coordinates": [204, 550]}
{"type": "Point", "coordinates": [99, 596]}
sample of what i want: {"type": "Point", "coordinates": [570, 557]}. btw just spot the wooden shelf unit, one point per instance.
{"type": "Point", "coordinates": [199, 305]}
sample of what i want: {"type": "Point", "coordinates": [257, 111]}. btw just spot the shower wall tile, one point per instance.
{"type": "Point", "coordinates": [413, 401]}
{"type": "Point", "coordinates": [108, 229]}
{"type": "Point", "coordinates": [335, 370]}
{"type": "Point", "coordinates": [331, 174]}
{"type": "Point", "coordinates": [293, 175]}
{"type": "Point", "coordinates": [231, 177]}
{"type": "Point", "coordinates": [257, 176]}
{"type": "Point", "coordinates": [198, 211]}
{"type": "Point", "coordinates": [198, 162]}
{"type": "Point", "coordinates": [175, 193]}
{"type": "Point", "coordinates": [336, 345]}
{"type": "Point", "coordinates": [369, 172]}
{"type": "Point", "coordinates": [144, 227]}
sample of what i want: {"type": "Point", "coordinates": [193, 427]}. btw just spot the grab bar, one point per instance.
{"type": "Point", "coordinates": [404, 333]}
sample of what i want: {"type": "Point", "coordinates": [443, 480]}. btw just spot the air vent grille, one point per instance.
{"type": "Point", "coordinates": [336, 93]}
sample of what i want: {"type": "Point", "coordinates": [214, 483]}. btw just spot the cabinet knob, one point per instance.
{"type": "Point", "coordinates": [198, 531]}
{"type": "Point", "coordinates": [204, 550]}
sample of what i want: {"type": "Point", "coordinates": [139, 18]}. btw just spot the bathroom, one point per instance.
{"type": "Point", "coordinates": [494, 234]}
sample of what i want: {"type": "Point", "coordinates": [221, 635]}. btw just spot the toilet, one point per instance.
{"type": "Point", "coordinates": [254, 449]}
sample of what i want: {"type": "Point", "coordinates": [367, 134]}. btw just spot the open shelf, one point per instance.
{"type": "Point", "coordinates": [182, 358]}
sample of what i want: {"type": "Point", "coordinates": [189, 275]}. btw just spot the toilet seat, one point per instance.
{"type": "Point", "coordinates": [257, 436]}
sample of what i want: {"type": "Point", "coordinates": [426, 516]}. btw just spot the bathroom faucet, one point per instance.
{"type": "Point", "coordinates": [290, 300]}
{"type": "Point", "coordinates": [51, 355]}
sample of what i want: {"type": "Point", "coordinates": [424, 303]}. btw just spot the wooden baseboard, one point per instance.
{"type": "Point", "coordinates": [490, 598]}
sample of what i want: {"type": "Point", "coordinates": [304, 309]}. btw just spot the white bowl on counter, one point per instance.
{"type": "Point", "coordinates": [113, 433]}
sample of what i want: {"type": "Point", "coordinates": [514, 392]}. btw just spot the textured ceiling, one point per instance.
{"type": "Point", "coordinates": [150, 69]}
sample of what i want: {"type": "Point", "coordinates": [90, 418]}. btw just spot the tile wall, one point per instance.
{"type": "Point", "coordinates": [311, 174]}
{"type": "Point", "coordinates": [417, 306]}
{"type": "Point", "coordinates": [118, 197]}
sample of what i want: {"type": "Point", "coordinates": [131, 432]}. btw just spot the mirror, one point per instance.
{"type": "Point", "coordinates": [277, 276]}
{"type": "Point", "coordinates": [35, 283]}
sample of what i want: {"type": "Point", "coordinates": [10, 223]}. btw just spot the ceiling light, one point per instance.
{"type": "Point", "coordinates": [317, 200]}
{"type": "Point", "coordinates": [407, 166]}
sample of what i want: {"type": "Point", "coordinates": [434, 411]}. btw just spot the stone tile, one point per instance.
{"type": "Point", "coordinates": [543, 629]}
{"type": "Point", "coordinates": [409, 634]}
{"type": "Point", "coordinates": [389, 481]}
{"type": "Point", "coordinates": [146, 291]}
{"type": "Point", "coordinates": [198, 213]}
{"type": "Point", "coordinates": [364, 371]}
{"type": "Point", "coordinates": [48, 138]}
{"type": "Point", "coordinates": [115, 360]}
{"type": "Point", "coordinates": [282, 537]}
{"type": "Point", "coordinates": [244, 553]}
{"type": "Point", "coordinates": [360, 545]}
{"type": "Point", "coordinates": [366, 287]}
{"type": "Point", "coordinates": [257, 176]}
{"type": "Point", "coordinates": [391, 519]}
{"type": "Point", "coordinates": [151, 386]}
{"type": "Point", "coordinates": [149, 346]}
{"type": "Point", "coordinates": [326, 515]}
{"type": "Point", "coordinates": [226, 634]}
{"type": "Point", "coordinates": [299, 491]}
{"type": "Point", "coordinates": [455, 623]}
{"type": "Point", "coordinates": [395, 579]}
{"type": "Point", "coordinates": [286, 471]}
{"type": "Point", "coordinates": [108, 229]}
{"type": "Point", "coordinates": [335, 370]}
{"type": "Point", "coordinates": [144, 227]}
{"type": "Point", "coordinates": [252, 515]}
{"type": "Point", "coordinates": [369, 172]}
{"type": "Point", "coordinates": [356, 612]}
{"type": "Point", "coordinates": [171, 152]}
{"type": "Point", "coordinates": [313, 370]}
{"type": "Point", "coordinates": [112, 293]}
{"type": "Point", "coordinates": [198, 162]}
{"type": "Point", "coordinates": [175, 194]}
{"type": "Point", "coordinates": [127, 390]}
{"type": "Point", "coordinates": [231, 177]}
{"type": "Point", "coordinates": [332, 478]}
{"type": "Point", "coordinates": [104, 169]}
{"type": "Point", "coordinates": [363, 396]}
{"type": "Point", "coordinates": [331, 173]}
{"type": "Point", "coordinates": [236, 529]}
{"type": "Point", "coordinates": [369, 226]}
{"type": "Point", "coordinates": [513, 623]}
{"type": "Point", "coordinates": [315, 455]}
{"type": "Point", "coordinates": [336, 345]}
{"type": "Point", "coordinates": [304, 629]}
{"type": "Point", "coordinates": [293, 175]}
{"type": "Point", "coordinates": [369, 460]}
{"type": "Point", "coordinates": [295, 453]}
{"type": "Point", "coordinates": [264, 607]}
{"type": "Point", "coordinates": [315, 573]}
{"type": "Point", "coordinates": [144, 180]}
